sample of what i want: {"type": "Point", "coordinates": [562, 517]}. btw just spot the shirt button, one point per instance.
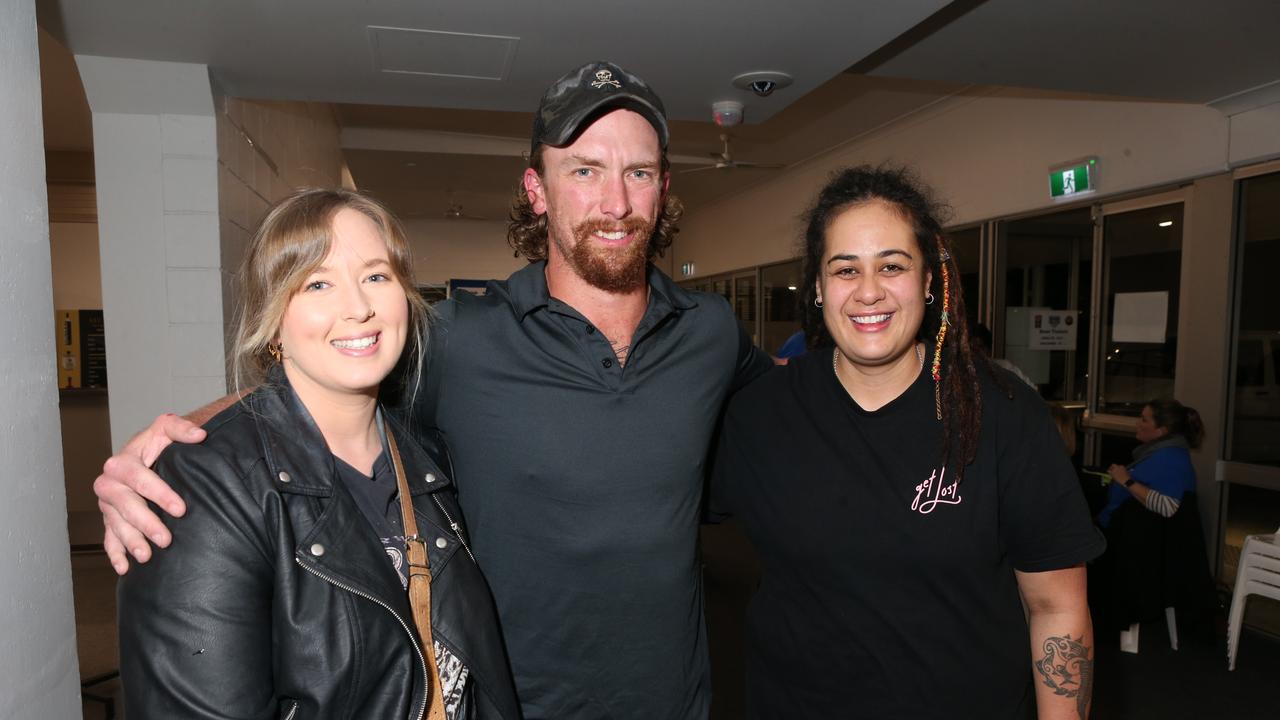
{"type": "Point", "coordinates": [284, 477]}
{"type": "Point", "coordinates": [430, 478]}
{"type": "Point", "coordinates": [442, 543]}
{"type": "Point", "coordinates": [317, 550]}
{"type": "Point", "coordinates": [607, 363]}
{"type": "Point", "coordinates": [591, 329]}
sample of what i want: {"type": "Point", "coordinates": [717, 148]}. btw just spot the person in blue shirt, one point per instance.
{"type": "Point", "coordinates": [794, 347]}
{"type": "Point", "coordinates": [1161, 470]}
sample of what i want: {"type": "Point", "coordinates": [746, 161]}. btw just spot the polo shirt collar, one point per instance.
{"type": "Point", "coordinates": [527, 290]}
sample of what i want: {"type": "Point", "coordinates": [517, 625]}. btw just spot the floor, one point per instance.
{"type": "Point", "coordinates": [1158, 683]}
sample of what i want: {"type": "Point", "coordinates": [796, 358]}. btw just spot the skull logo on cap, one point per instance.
{"type": "Point", "coordinates": [604, 77]}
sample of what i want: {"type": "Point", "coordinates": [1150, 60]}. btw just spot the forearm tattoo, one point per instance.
{"type": "Point", "coordinates": [1068, 670]}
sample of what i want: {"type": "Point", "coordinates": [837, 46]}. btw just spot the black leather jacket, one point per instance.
{"type": "Point", "coordinates": [277, 600]}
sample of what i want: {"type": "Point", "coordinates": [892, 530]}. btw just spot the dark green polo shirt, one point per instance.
{"type": "Point", "coordinates": [581, 481]}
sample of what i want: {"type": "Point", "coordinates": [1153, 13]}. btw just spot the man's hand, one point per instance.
{"type": "Point", "coordinates": [125, 485]}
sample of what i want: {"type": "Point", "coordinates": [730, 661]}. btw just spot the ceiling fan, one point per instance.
{"type": "Point", "coordinates": [724, 160]}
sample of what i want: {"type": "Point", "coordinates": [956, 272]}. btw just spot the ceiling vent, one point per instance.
{"type": "Point", "coordinates": [441, 54]}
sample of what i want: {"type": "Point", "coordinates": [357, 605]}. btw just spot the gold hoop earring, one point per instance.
{"type": "Point", "coordinates": [276, 350]}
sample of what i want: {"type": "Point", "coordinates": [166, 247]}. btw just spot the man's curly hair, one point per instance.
{"type": "Point", "coordinates": [527, 230]}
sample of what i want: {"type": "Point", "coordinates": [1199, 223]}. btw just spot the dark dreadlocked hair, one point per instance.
{"type": "Point", "coordinates": [957, 387]}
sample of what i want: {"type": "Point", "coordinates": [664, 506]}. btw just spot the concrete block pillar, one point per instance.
{"type": "Point", "coordinates": [39, 674]}
{"type": "Point", "coordinates": [155, 155]}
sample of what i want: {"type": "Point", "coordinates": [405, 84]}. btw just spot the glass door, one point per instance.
{"type": "Point", "coordinates": [1043, 301]}
{"type": "Point", "coordinates": [1251, 468]}
{"type": "Point", "coordinates": [1141, 275]}
{"type": "Point", "coordinates": [745, 303]}
{"type": "Point", "coordinates": [779, 304]}
{"type": "Point", "coordinates": [1134, 343]}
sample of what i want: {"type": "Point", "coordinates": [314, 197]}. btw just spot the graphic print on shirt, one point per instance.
{"type": "Point", "coordinates": [453, 674]}
{"type": "Point", "coordinates": [936, 491]}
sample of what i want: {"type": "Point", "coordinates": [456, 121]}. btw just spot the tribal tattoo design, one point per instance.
{"type": "Point", "coordinates": [1068, 670]}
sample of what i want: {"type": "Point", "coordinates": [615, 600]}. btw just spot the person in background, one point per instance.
{"type": "Point", "coordinates": [905, 500]}
{"type": "Point", "coordinates": [1160, 472]}
{"type": "Point", "coordinates": [285, 591]}
{"type": "Point", "coordinates": [1095, 493]}
{"type": "Point", "coordinates": [793, 347]}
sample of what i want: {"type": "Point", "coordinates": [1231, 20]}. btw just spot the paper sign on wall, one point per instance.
{"type": "Point", "coordinates": [1140, 317]}
{"type": "Point", "coordinates": [1053, 329]}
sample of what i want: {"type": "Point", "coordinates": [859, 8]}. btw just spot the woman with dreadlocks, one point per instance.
{"type": "Point", "coordinates": [907, 499]}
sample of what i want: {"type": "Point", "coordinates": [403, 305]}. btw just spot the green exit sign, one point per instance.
{"type": "Point", "coordinates": [1076, 178]}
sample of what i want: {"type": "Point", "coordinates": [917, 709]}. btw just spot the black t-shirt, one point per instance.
{"type": "Point", "coordinates": [888, 588]}
{"type": "Point", "coordinates": [379, 501]}
{"type": "Point", "coordinates": [582, 480]}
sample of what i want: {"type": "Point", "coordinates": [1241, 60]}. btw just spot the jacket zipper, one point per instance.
{"type": "Point", "coordinates": [292, 711]}
{"type": "Point", "coordinates": [426, 680]}
{"type": "Point", "coordinates": [456, 529]}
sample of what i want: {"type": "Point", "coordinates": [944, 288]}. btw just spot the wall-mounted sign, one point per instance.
{"type": "Point", "coordinates": [686, 269]}
{"type": "Point", "coordinates": [1053, 330]}
{"type": "Point", "coordinates": [82, 349]}
{"type": "Point", "coordinates": [1076, 178]}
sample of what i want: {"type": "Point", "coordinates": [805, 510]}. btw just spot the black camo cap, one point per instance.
{"type": "Point", "coordinates": [582, 93]}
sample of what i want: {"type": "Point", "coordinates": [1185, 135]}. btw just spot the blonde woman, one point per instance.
{"type": "Point", "coordinates": [287, 595]}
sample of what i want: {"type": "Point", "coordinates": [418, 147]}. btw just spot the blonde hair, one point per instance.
{"type": "Point", "coordinates": [290, 244]}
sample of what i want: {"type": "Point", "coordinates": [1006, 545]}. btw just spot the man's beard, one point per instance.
{"type": "Point", "coordinates": [612, 269]}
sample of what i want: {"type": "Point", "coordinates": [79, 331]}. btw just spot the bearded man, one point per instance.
{"type": "Point", "coordinates": [578, 398]}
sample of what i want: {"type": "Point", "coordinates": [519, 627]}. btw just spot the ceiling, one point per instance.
{"type": "Point", "coordinates": [424, 142]}
{"type": "Point", "coordinates": [1183, 50]}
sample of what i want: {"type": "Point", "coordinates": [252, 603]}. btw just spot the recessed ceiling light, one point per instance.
{"type": "Point", "coordinates": [411, 164]}
{"type": "Point", "coordinates": [791, 287]}
{"type": "Point", "coordinates": [1166, 223]}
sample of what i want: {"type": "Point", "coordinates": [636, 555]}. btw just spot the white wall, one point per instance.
{"type": "Point", "coordinates": [39, 676]}
{"type": "Point", "coordinates": [463, 249]}
{"type": "Point", "coordinates": [266, 150]}
{"type": "Point", "coordinates": [988, 154]}
{"type": "Point", "coordinates": [77, 279]}
{"type": "Point", "coordinates": [155, 160]}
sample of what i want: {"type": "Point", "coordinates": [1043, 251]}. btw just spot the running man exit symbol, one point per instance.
{"type": "Point", "coordinates": [1074, 178]}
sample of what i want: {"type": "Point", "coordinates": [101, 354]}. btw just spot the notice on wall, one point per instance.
{"type": "Point", "coordinates": [1140, 317]}
{"type": "Point", "coordinates": [1053, 329]}
{"type": "Point", "coordinates": [82, 349]}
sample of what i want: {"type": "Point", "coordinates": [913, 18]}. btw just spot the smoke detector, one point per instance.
{"type": "Point", "coordinates": [727, 113]}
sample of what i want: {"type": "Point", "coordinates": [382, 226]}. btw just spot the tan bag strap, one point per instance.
{"type": "Point", "coordinates": [419, 585]}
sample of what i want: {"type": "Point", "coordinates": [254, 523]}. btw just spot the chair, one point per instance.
{"type": "Point", "coordinates": [1258, 574]}
{"type": "Point", "coordinates": [1154, 569]}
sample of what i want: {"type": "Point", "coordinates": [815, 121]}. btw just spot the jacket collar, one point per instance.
{"type": "Point", "coordinates": [526, 291]}
{"type": "Point", "coordinates": [297, 455]}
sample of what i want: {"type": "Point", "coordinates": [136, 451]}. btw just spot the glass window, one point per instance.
{"type": "Point", "coordinates": [1048, 266]}
{"type": "Point", "coordinates": [1255, 399]}
{"type": "Point", "coordinates": [744, 304]}
{"type": "Point", "coordinates": [780, 304]}
{"type": "Point", "coordinates": [1143, 264]}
